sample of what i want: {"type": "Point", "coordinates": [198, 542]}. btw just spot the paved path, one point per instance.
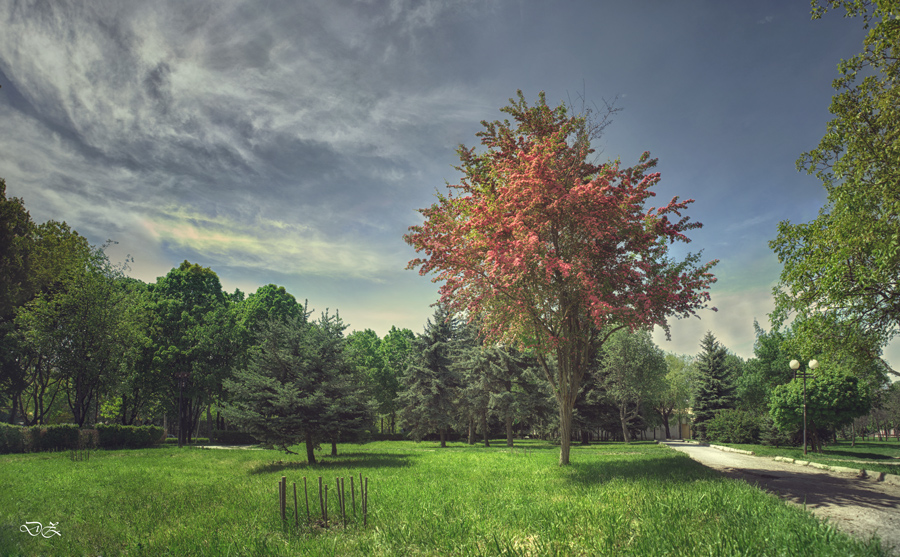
{"type": "Point", "coordinates": [861, 507]}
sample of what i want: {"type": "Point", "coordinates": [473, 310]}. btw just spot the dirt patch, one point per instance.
{"type": "Point", "coordinates": [859, 506]}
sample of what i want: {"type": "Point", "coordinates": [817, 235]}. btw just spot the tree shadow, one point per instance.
{"type": "Point", "coordinates": [858, 455]}
{"type": "Point", "coordinates": [348, 460]}
{"type": "Point", "coordinates": [671, 468]}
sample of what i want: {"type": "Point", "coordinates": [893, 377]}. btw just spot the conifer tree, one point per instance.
{"type": "Point", "coordinates": [431, 381]}
{"type": "Point", "coordinates": [714, 388]}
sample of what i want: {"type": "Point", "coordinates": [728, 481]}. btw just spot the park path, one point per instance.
{"type": "Point", "coordinates": [858, 506]}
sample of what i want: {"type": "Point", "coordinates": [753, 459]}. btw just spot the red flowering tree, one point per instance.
{"type": "Point", "coordinates": [554, 252]}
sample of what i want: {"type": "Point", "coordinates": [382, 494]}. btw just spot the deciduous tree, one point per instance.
{"type": "Point", "coordinates": [548, 249]}
{"type": "Point", "coordinates": [846, 262]}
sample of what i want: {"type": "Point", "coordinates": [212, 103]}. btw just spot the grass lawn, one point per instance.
{"type": "Point", "coordinates": [615, 499]}
{"type": "Point", "coordinates": [872, 456]}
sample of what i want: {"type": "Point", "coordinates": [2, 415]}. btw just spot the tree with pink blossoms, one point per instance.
{"type": "Point", "coordinates": [553, 252]}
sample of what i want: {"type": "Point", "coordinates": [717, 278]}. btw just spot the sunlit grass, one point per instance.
{"type": "Point", "coordinates": [873, 456]}
{"type": "Point", "coordinates": [639, 499]}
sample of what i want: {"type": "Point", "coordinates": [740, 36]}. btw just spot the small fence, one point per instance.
{"type": "Point", "coordinates": [323, 501]}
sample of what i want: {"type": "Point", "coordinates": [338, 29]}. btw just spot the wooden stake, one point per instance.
{"type": "Point", "coordinates": [321, 502]}
{"type": "Point", "coordinates": [353, 495]}
{"type": "Point", "coordinates": [326, 505]}
{"type": "Point", "coordinates": [283, 491]}
{"type": "Point", "coordinates": [296, 518]}
{"type": "Point", "coordinates": [306, 496]}
{"type": "Point", "coordinates": [365, 501]}
{"type": "Point", "coordinates": [343, 513]}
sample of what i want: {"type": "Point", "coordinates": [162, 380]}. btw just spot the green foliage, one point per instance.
{"type": "Point", "coordinates": [632, 373]}
{"type": "Point", "coordinates": [12, 438]}
{"type": "Point", "coordinates": [431, 380]}
{"type": "Point", "coordinates": [714, 387]}
{"type": "Point", "coordinates": [734, 426]}
{"type": "Point", "coordinates": [833, 399]}
{"type": "Point", "coordinates": [769, 434]}
{"type": "Point", "coordinates": [56, 437]}
{"type": "Point", "coordinates": [299, 385]}
{"type": "Point", "coordinates": [116, 436]}
{"type": "Point", "coordinates": [844, 264]}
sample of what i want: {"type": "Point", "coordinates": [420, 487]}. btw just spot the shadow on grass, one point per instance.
{"type": "Point", "coordinates": [672, 468]}
{"type": "Point", "coordinates": [350, 460]}
{"type": "Point", "coordinates": [857, 454]}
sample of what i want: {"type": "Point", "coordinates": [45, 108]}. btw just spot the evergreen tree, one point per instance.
{"type": "Point", "coordinates": [431, 380]}
{"type": "Point", "coordinates": [714, 387]}
{"type": "Point", "coordinates": [298, 386]}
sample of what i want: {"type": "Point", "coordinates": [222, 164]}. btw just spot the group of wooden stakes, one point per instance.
{"type": "Point", "coordinates": [323, 500]}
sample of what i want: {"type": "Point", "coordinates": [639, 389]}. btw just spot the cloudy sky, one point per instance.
{"type": "Point", "coordinates": [292, 142]}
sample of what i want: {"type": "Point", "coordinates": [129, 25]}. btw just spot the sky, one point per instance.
{"type": "Point", "coordinates": [293, 142]}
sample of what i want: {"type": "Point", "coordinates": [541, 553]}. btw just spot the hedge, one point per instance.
{"type": "Point", "coordinates": [62, 437]}
{"type": "Point", "coordinates": [115, 436]}
{"type": "Point", "coordinates": [12, 438]}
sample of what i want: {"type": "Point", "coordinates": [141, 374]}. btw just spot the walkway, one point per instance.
{"type": "Point", "coordinates": [861, 507]}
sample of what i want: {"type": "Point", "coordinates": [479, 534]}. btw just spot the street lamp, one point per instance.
{"type": "Point", "coordinates": [795, 365]}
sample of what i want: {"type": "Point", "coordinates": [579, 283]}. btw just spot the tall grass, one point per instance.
{"type": "Point", "coordinates": [615, 499]}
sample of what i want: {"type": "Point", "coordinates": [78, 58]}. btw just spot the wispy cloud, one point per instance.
{"type": "Point", "coordinates": [278, 246]}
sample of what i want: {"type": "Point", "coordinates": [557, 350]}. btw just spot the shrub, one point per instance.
{"type": "Point", "coordinates": [733, 426]}
{"type": "Point", "coordinates": [771, 435]}
{"type": "Point", "coordinates": [60, 437]}
{"type": "Point", "coordinates": [12, 438]}
{"type": "Point", "coordinates": [115, 436]}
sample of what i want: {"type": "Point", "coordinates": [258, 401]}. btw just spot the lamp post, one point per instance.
{"type": "Point", "coordinates": [795, 365]}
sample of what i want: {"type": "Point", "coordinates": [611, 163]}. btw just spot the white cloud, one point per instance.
{"type": "Point", "coordinates": [282, 247]}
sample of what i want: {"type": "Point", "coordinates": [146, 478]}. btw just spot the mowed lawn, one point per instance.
{"type": "Point", "coordinates": [872, 456]}
{"type": "Point", "coordinates": [615, 499]}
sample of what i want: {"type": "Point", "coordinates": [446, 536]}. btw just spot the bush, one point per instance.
{"type": "Point", "coordinates": [62, 437]}
{"type": "Point", "coordinates": [733, 426]}
{"type": "Point", "coordinates": [233, 437]}
{"type": "Point", "coordinates": [771, 435]}
{"type": "Point", "coordinates": [115, 436]}
{"type": "Point", "coordinates": [12, 438]}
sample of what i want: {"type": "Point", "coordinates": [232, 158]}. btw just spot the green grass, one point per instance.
{"type": "Point", "coordinates": [872, 456]}
{"type": "Point", "coordinates": [615, 499]}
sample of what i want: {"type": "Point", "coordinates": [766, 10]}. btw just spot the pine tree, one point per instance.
{"type": "Point", "coordinates": [715, 389]}
{"type": "Point", "coordinates": [431, 381]}
{"type": "Point", "coordinates": [298, 386]}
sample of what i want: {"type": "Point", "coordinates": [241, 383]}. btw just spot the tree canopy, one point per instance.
{"type": "Point", "coordinates": [548, 249]}
{"type": "Point", "coordinates": [846, 262]}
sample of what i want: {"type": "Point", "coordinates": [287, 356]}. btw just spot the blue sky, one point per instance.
{"type": "Point", "coordinates": [293, 142]}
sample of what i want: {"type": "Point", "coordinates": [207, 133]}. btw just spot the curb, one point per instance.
{"type": "Point", "coordinates": [732, 450]}
{"type": "Point", "coordinates": [892, 479]}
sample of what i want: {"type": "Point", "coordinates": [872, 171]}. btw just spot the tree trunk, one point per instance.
{"type": "Point", "coordinates": [471, 430]}
{"type": "Point", "coordinates": [623, 417]}
{"type": "Point", "coordinates": [310, 455]}
{"type": "Point", "coordinates": [443, 437]}
{"type": "Point", "coordinates": [509, 433]}
{"type": "Point", "coordinates": [334, 448]}
{"type": "Point", "coordinates": [585, 437]}
{"type": "Point", "coordinates": [565, 429]}
{"type": "Point", "coordinates": [209, 421]}
{"type": "Point", "coordinates": [665, 418]}
{"type": "Point", "coordinates": [484, 429]}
